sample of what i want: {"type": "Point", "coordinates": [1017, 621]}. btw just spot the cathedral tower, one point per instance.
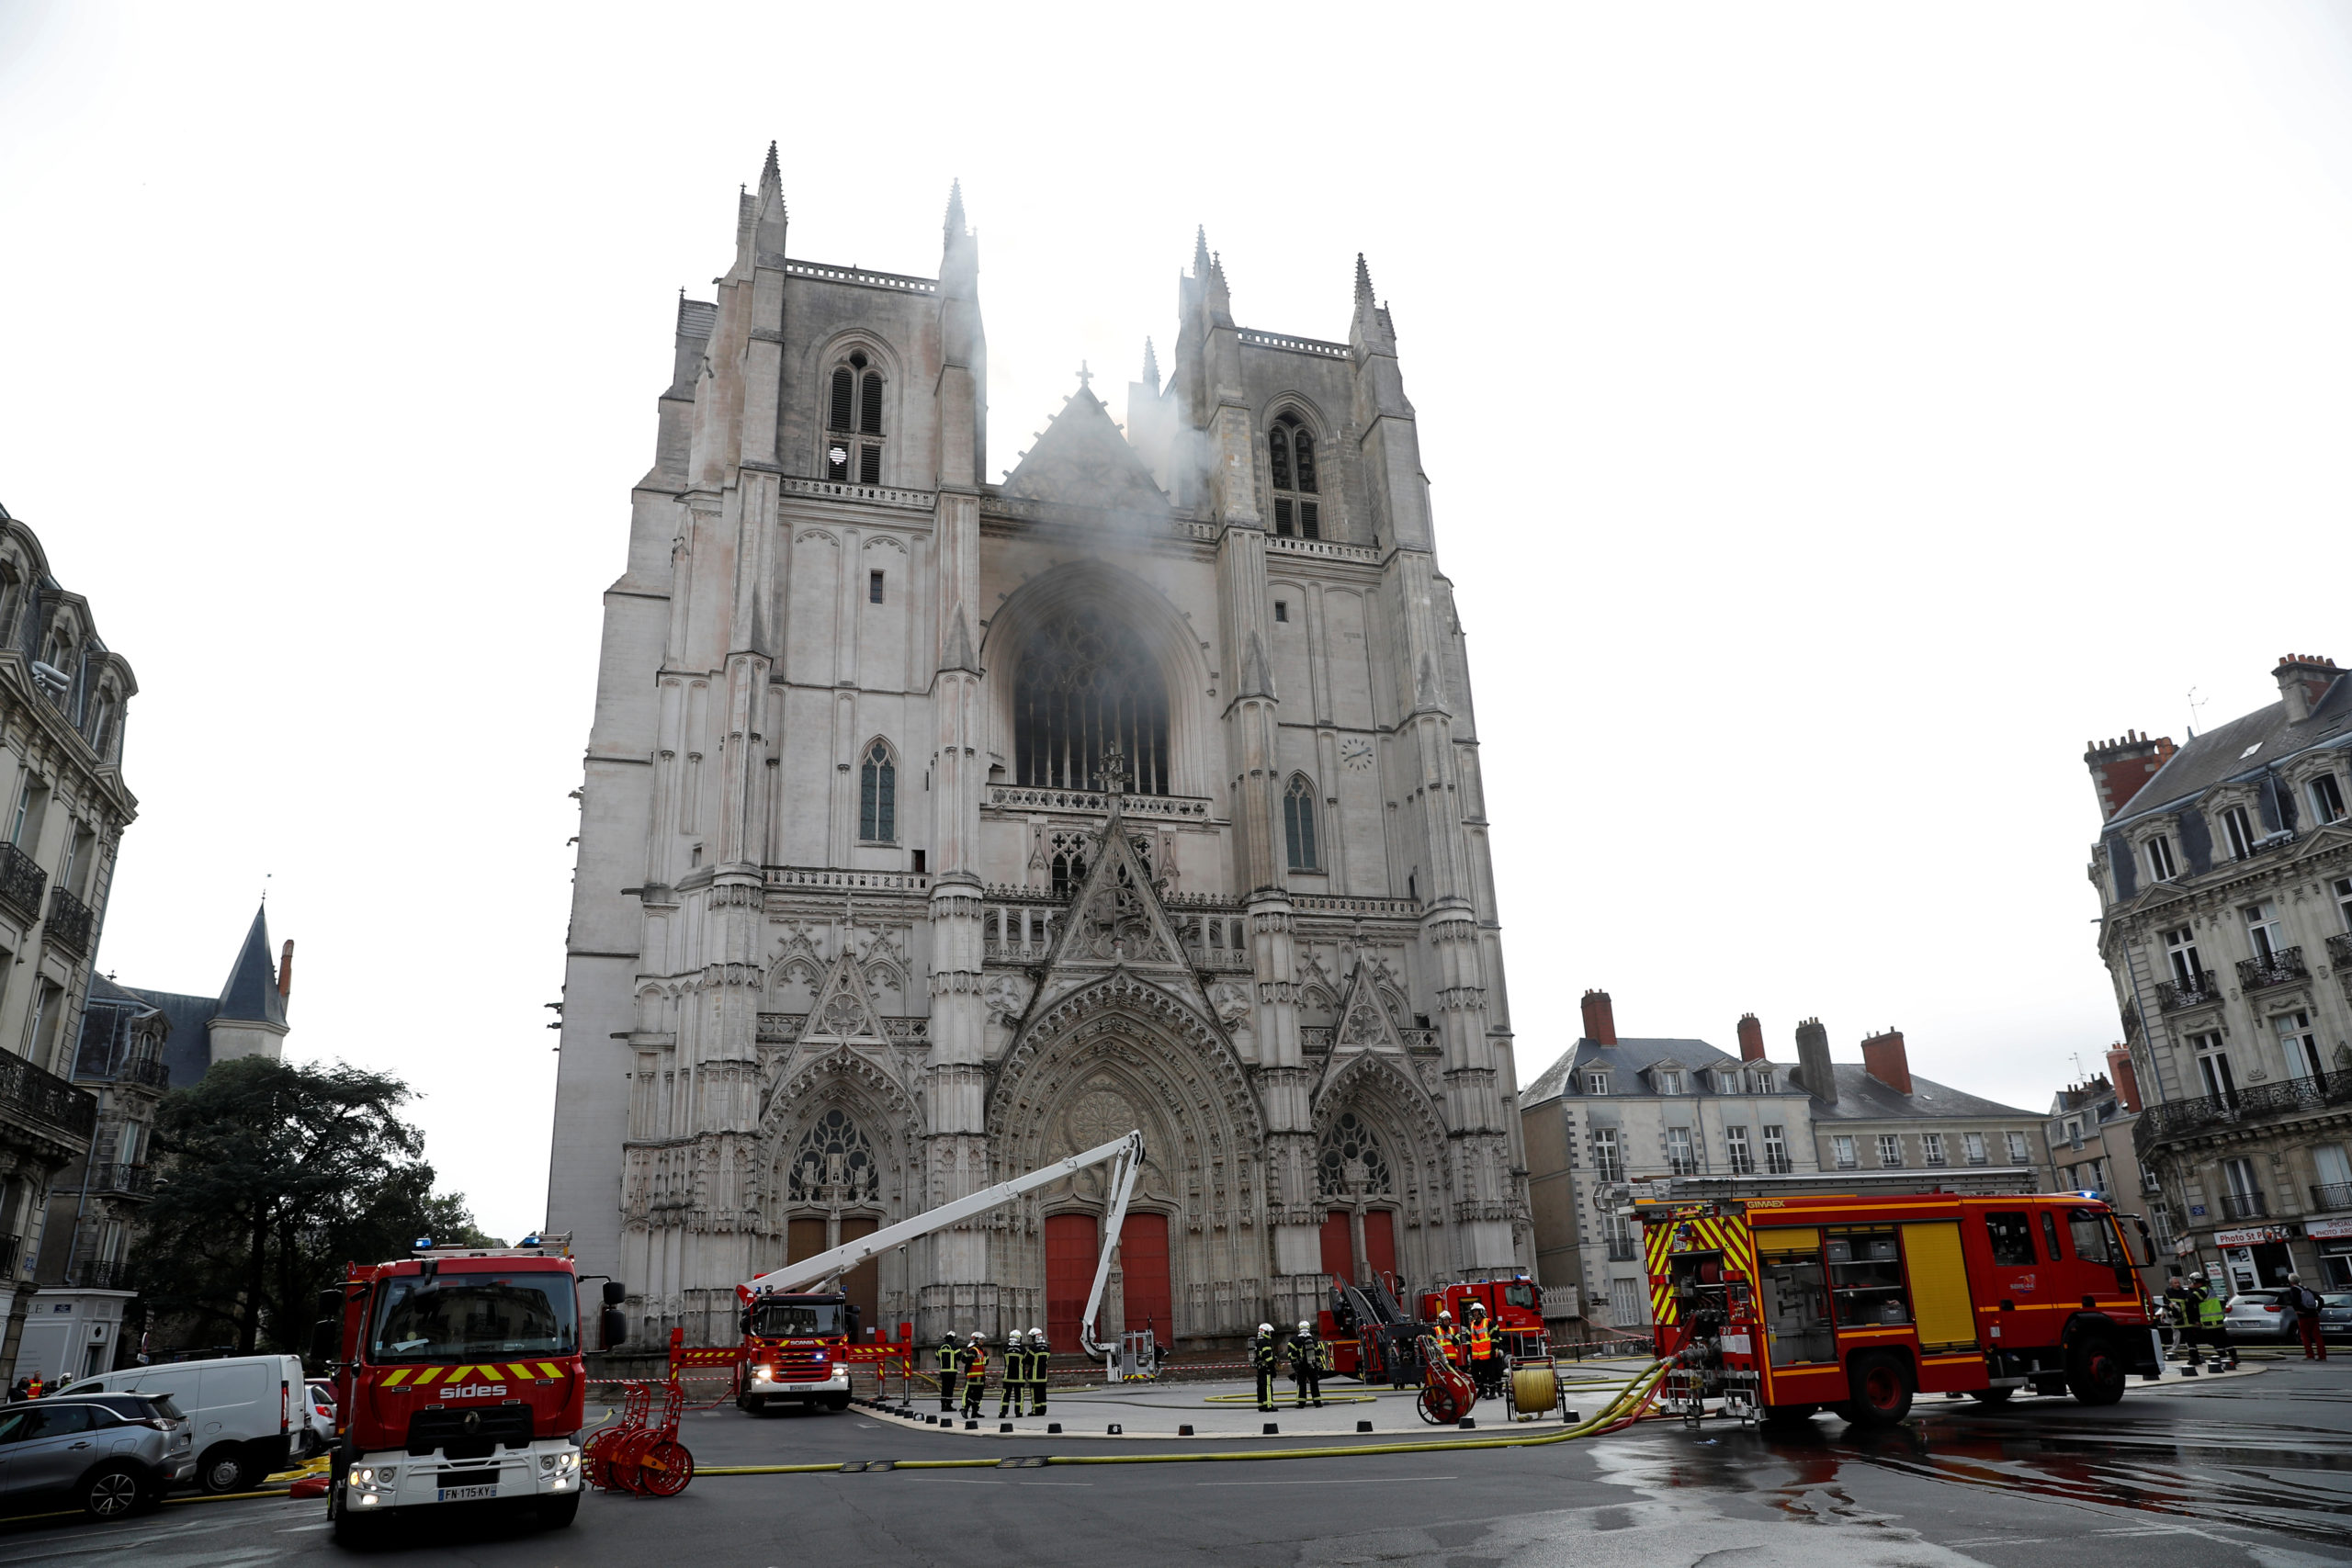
{"type": "Point", "coordinates": [933, 828]}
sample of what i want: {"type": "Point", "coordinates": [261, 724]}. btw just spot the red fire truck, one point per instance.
{"type": "Point", "coordinates": [457, 1379]}
{"type": "Point", "coordinates": [1789, 1305]}
{"type": "Point", "coordinates": [798, 1345]}
{"type": "Point", "coordinates": [1373, 1339]}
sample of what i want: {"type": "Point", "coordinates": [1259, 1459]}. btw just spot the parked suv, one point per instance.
{"type": "Point", "coordinates": [2260, 1314]}
{"type": "Point", "coordinates": [2336, 1315]}
{"type": "Point", "coordinates": [108, 1453]}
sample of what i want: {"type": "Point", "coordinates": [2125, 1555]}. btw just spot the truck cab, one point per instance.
{"type": "Point", "coordinates": [795, 1349]}
{"type": "Point", "coordinates": [457, 1379]}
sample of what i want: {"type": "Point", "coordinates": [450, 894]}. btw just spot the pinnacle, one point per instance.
{"type": "Point", "coordinates": [1200, 251]}
{"type": "Point", "coordinates": [1363, 281]}
{"type": "Point", "coordinates": [955, 207]}
{"type": "Point", "coordinates": [1150, 366]}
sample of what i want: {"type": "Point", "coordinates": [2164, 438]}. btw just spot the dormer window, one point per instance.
{"type": "Point", "coordinates": [2327, 798]}
{"type": "Point", "coordinates": [2161, 865]}
{"type": "Point", "coordinates": [1669, 1082]}
{"type": "Point", "coordinates": [2238, 828]}
{"type": "Point", "coordinates": [853, 422]}
{"type": "Point", "coordinates": [1596, 1083]}
{"type": "Point", "coordinates": [1290, 460]}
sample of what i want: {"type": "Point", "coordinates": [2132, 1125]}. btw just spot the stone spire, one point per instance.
{"type": "Point", "coordinates": [1150, 368]}
{"type": "Point", "coordinates": [954, 209]}
{"type": "Point", "coordinates": [1363, 284]}
{"type": "Point", "coordinates": [1200, 251]}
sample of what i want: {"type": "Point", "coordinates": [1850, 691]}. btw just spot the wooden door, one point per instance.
{"type": "Point", "coordinates": [1338, 1248]}
{"type": "Point", "coordinates": [1143, 1273]}
{"type": "Point", "coordinates": [1072, 1244]}
{"type": "Point", "coordinates": [1380, 1242]}
{"type": "Point", "coordinates": [864, 1283]}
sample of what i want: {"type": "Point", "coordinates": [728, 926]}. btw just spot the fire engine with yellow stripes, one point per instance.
{"type": "Point", "coordinates": [1784, 1306]}
{"type": "Point", "coordinates": [457, 1378]}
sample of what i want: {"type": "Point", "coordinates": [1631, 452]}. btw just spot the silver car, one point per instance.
{"type": "Point", "coordinates": [107, 1454]}
{"type": "Point", "coordinates": [2260, 1314]}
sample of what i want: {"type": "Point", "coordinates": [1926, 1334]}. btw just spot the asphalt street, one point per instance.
{"type": "Point", "coordinates": [2252, 1471]}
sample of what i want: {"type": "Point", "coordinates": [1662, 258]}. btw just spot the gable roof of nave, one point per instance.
{"type": "Point", "coordinates": [1082, 459]}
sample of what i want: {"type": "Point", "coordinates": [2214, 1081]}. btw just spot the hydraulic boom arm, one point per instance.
{"type": "Point", "coordinates": [1127, 1151]}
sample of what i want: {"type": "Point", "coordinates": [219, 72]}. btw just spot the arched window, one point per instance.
{"type": "Point", "coordinates": [1349, 1160]}
{"type": "Point", "coordinates": [1298, 823]}
{"type": "Point", "coordinates": [878, 796]}
{"type": "Point", "coordinates": [102, 723]}
{"type": "Point", "coordinates": [1084, 684]}
{"type": "Point", "coordinates": [853, 408]}
{"type": "Point", "coordinates": [833, 1164]}
{"type": "Point", "coordinates": [1290, 460]}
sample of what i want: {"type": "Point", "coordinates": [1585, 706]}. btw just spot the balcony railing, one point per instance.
{"type": "Point", "coordinates": [2245, 1205]}
{"type": "Point", "coordinates": [2339, 949]}
{"type": "Point", "coordinates": [2158, 1122]}
{"type": "Point", "coordinates": [148, 1073]}
{"type": "Point", "coordinates": [2326, 1195]}
{"type": "Point", "coordinates": [1609, 1170]}
{"type": "Point", "coordinates": [21, 882]}
{"type": "Point", "coordinates": [121, 1181]}
{"type": "Point", "coordinates": [100, 1273]}
{"type": "Point", "coordinates": [1778, 1164]}
{"type": "Point", "coordinates": [29, 1094]}
{"type": "Point", "coordinates": [70, 922]}
{"type": "Point", "coordinates": [2284, 966]}
{"type": "Point", "coordinates": [1681, 1165]}
{"type": "Point", "coordinates": [2174, 995]}
{"type": "Point", "coordinates": [1743, 1164]}
{"type": "Point", "coordinates": [1621, 1252]}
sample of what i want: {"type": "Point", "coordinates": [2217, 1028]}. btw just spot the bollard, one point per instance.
{"type": "Point", "coordinates": [1052, 1428]}
{"type": "Point", "coordinates": [1363, 1426]}
{"type": "Point", "coordinates": [1272, 1429]}
{"type": "Point", "coordinates": [1116, 1430]}
{"type": "Point", "coordinates": [1185, 1430]}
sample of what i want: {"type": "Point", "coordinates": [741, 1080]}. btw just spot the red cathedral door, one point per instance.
{"type": "Point", "coordinates": [863, 1282]}
{"type": "Point", "coordinates": [1339, 1249]}
{"type": "Point", "coordinates": [1072, 1243]}
{"type": "Point", "coordinates": [1380, 1242]}
{"type": "Point", "coordinates": [1143, 1275]}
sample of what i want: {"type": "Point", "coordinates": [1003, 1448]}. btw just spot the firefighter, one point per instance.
{"type": "Point", "coordinates": [1447, 1345]}
{"type": "Point", "coordinates": [1040, 1356]}
{"type": "Point", "coordinates": [1306, 1365]}
{"type": "Point", "coordinates": [1016, 1377]}
{"type": "Point", "coordinates": [2209, 1310]}
{"type": "Point", "coordinates": [975, 1375]}
{"type": "Point", "coordinates": [1485, 1365]}
{"type": "Point", "coordinates": [1262, 1350]}
{"type": "Point", "coordinates": [951, 1370]}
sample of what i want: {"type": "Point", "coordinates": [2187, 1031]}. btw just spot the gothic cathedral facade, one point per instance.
{"type": "Point", "coordinates": [934, 827]}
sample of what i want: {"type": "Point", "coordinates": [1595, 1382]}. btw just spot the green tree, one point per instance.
{"type": "Point", "coordinates": [278, 1174]}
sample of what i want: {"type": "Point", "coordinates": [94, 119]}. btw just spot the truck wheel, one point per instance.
{"type": "Point", "coordinates": [225, 1467]}
{"type": "Point", "coordinates": [557, 1512]}
{"type": "Point", "coordinates": [837, 1402]}
{"type": "Point", "coordinates": [351, 1529]}
{"type": "Point", "coordinates": [2094, 1372]}
{"type": "Point", "coordinates": [1882, 1386]}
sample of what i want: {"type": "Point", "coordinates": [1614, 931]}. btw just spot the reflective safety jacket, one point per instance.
{"type": "Point", "coordinates": [1305, 1351]}
{"type": "Point", "coordinates": [1482, 1342]}
{"type": "Point", "coordinates": [950, 1355]}
{"type": "Point", "coordinates": [1262, 1351]}
{"type": "Point", "coordinates": [2209, 1312]}
{"type": "Point", "coordinates": [975, 1364]}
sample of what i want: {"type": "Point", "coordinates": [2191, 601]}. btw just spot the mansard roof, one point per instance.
{"type": "Point", "coordinates": [1082, 459]}
{"type": "Point", "coordinates": [1631, 1056]}
{"type": "Point", "coordinates": [2243, 746]}
{"type": "Point", "coordinates": [1861, 1097]}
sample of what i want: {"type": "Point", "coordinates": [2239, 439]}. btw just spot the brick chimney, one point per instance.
{"type": "Point", "coordinates": [1884, 1059]}
{"type": "Point", "coordinates": [1813, 1062]}
{"type": "Point", "coordinates": [1751, 1038]}
{"type": "Point", "coordinates": [2125, 1077]}
{"type": "Point", "coordinates": [1599, 1019]}
{"type": "Point", "coordinates": [2303, 679]}
{"type": "Point", "coordinates": [285, 969]}
{"type": "Point", "coordinates": [2119, 767]}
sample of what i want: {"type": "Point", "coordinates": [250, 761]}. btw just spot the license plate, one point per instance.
{"type": "Point", "coordinates": [466, 1494]}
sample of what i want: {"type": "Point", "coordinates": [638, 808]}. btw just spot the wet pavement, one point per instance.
{"type": "Point", "coordinates": [2254, 1471]}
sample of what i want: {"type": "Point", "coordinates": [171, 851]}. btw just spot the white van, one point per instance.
{"type": "Point", "coordinates": [247, 1413]}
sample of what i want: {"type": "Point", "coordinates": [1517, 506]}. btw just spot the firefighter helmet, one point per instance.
{"type": "Point", "coordinates": [1265, 1328]}
{"type": "Point", "coordinates": [1302, 1326]}
{"type": "Point", "coordinates": [1443, 1315]}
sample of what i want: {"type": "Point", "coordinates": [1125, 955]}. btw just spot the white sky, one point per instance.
{"type": "Point", "coordinates": [1838, 414]}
